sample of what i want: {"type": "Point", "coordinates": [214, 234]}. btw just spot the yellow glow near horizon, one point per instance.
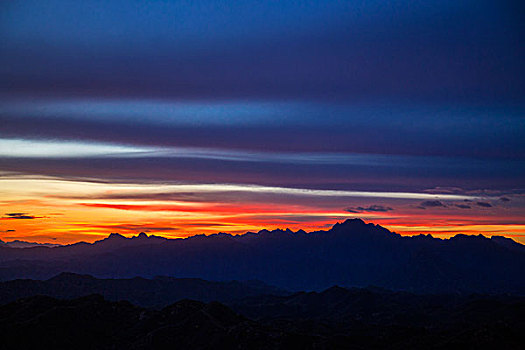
{"type": "Point", "coordinates": [67, 211]}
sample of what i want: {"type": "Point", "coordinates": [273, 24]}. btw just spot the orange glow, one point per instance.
{"type": "Point", "coordinates": [57, 211]}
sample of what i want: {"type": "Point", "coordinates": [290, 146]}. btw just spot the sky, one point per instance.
{"type": "Point", "coordinates": [186, 117]}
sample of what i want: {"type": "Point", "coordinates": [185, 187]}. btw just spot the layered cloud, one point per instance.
{"type": "Point", "coordinates": [18, 216]}
{"type": "Point", "coordinates": [276, 126]}
{"type": "Point", "coordinates": [371, 208]}
{"type": "Point", "coordinates": [88, 210]}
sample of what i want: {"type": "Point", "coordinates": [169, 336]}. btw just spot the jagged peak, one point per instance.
{"type": "Point", "coordinates": [507, 243]}
{"type": "Point", "coordinates": [142, 235]}
{"type": "Point", "coordinates": [115, 235]}
{"type": "Point", "coordinates": [464, 237]}
{"type": "Point", "coordinates": [335, 289]}
{"type": "Point", "coordinates": [358, 227]}
{"type": "Point", "coordinates": [354, 225]}
{"type": "Point", "coordinates": [503, 239]}
{"type": "Point", "coordinates": [356, 222]}
{"type": "Point", "coordinates": [278, 230]}
{"type": "Point", "coordinates": [67, 276]}
{"type": "Point", "coordinates": [221, 234]}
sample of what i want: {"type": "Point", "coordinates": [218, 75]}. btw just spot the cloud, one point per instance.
{"type": "Point", "coordinates": [372, 208]}
{"type": "Point", "coordinates": [462, 206]}
{"type": "Point", "coordinates": [432, 204]}
{"type": "Point", "coordinates": [137, 227]}
{"type": "Point", "coordinates": [484, 204]}
{"type": "Point", "coordinates": [504, 199]}
{"type": "Point", "coordinates": [449, 190]}
{"type": "Point", "coordinates": [19, 216]}
{"type": "Point", "coordinates": [306, 128]}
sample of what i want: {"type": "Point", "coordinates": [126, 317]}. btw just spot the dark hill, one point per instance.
{"type": "Point", "coordinates": [94, 323]}
{"type": "Point", "coordinates": [373, 318]}
{"type": "Point", "coordinates": [156, 292]}
{"type": "Point", "coordinates": [337, 318]}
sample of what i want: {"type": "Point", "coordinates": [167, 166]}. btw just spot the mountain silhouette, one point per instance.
{"type": "Point", "coordinates": [24, 244]}
{"type": "Point", "coordinates": [156, 292]}
{"type": "Point", "coordinates": [351, 254]}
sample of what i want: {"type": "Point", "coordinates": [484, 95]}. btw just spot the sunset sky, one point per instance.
{"type": "Point", "coordinates": [186, 117]}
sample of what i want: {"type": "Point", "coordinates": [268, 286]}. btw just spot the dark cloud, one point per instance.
{"type": "Point", "coordinates": [449, 190]}
{"type": "Point", "coordinates": [329, 134]}
{"type": "Point", "coordinates": [131, 227]}
{"type": "Point", "coordinates": [462, 206]}
{"type": "Point", "coordinates": [484, 204]}
{"type": "Point", "coordinates": [432, 204]}
{"type": "Point", "coordinates": [315, 176]}
{"type": "Point", "coordinates": [21, 216]}
{"type": "Point", "coordinates": [204, 224]}
{"type": "Point", "coordinates": [372, 208]}
{"type": "Point", "coordinates": [504, 199]}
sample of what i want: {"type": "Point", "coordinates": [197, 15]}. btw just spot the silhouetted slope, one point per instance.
{"type": "Point", "coordinates": [157, 292]}
{"type": "Point", "coordinates": [342, 306]}
{"type": "Point", "coordinates": [376, 318]}
{"type": "Point", "coordinates": [337, 318]}
{"type": "Point", "coordinates": [352, 253]}
{"type": "Point", "coordinates": [94, 323]}
{"type": "Point", "coordinates": [24, 244]}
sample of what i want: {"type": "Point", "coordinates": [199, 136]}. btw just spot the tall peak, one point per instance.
{"type": "Point", "coordinates": [116, 236]}
{"type": "Point", "coordinates": [350, 223]}
{"type": "Point", "coordinates": [359, 228]}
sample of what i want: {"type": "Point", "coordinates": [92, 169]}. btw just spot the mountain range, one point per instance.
{"type": "Point", "coordinates": [24, 244]}
{"type": "Point", "coordinates": [351, 254]}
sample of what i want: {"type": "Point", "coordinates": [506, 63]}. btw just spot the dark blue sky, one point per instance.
{"type": "Point", "coordinates": [454, 51]}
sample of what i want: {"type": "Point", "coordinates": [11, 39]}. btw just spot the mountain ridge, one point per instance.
{"type": "Point", "coordinates": [355, 222]}
{"type": "Point", "coordinates": [155, 292]}
{"type": "Point", "coordinates": [352, 254]}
